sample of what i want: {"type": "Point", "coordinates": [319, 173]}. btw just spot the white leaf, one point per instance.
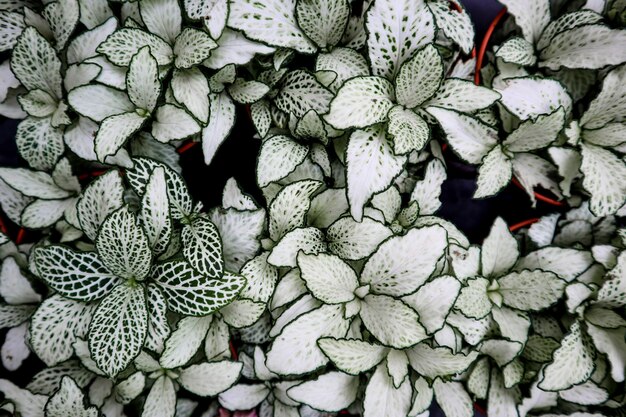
{"type": "Point", "coordinates": [502, 401]}
{"type": "Point", "coordinates": [278, 157]}
{"type": "Point", "coordinates": [427, 191]}
{"type": "Point", "coordinates": [309, 240]}
{"type": "Point", "coordinates": [329, 279]}
{"type": "Point", "coordinates": [162, 18]}
{"type": "Point", "coordinates": [158, 326]}
{"type": "Point", "coordinates": [15, 288]}
{"type": "Point", "coordinates": [209, 379]}
{"type": "Point", "coordinates": [300, 92]}
{"type": "Point", "coordinates": [155, 215]}
{"type": "Point", "coordinates": [532, 18]}
{"type": "Point", "coordinates": [433, 301]}
{"type": "Point", "coordinates": [247, 92]}
{"type": "Point", "coordinates": [567, 263]}
{"type": "Point", "coordinates": [234, 48]}
{"type": "Point", "coordinates": [453, 399]}
{"type": "Point", "coordinates": [345, 63]}
{"type": "Point", "coordinates": [35, 63]}
{"type": "Point", "coordinates": [611, 343]}
{"type": "Point", "coordinates": [410, 131]}
{"type": "Point", "coordinates": [604, 176]}
{"type": "Point", "coordinates": [185, 341]}
{"type": "Point", "coordinates": [12, 27]}
{"type": "Point", "coordinates": [462, 96]}
{"type": "Point", "coordinates": [83, 46]}
{"type": "Point", "coordinates": [536, 134]}
{"type": "Point", "coordinates": [420, 77]}
{"type": "Point", "coordinates": [610, 103]}
{"type": "Point", "coordinates": [356, 240]}
{"type": "Point", "coordinates": [221, 121]}
{"type": "Point", "coordinates": [352, 356]}
{"type": "Point", "coordinates": [455, 23]}
{"type": "Point", "coordinates": [98, 101]}
{"type": "Point", "coordinates": [383, 399]}
{"type": "Point", "coordinates": [192, 47]}
{"type": "Point", "coordinates": [94, 12]}
{"type": "Point", "coordinates": [101, 198]}
{"type": "Point", "coordinates": [397, 269]}
{"type": "Point", "coordinates": [69, 400]}
{"type": "Point", "coordinates": [609, 135]}
{"type": "Point", "coordinates": [242, 313]}
{"type": "Point", "coordinates": [243, 396]}
{"type": "Point", "coordinates": [288, 209]}
{"type": "Point", "coordinates": [323, 21]}
{"type": "Point", "coordinates": [142, 80]}
{"type": "Point", "coordinates": [500, 251]}
{"type": "Point", "coordinates": [517, 51]}
{"type": "Point", "coordinates": [372, 166]}
{"type": "Point", "coordinates": [438, 362]}
{"type": "Point", "coordinates": [396, 29]}
{"type": "Point", "coordinates": [161, 400]}
{"type": "Point", "coordinates": [30, 183]}
{"type": "Point", "coordinates": [494, 173]}
{"type": "Point", "coordinates": [173, 123]}
{"type": "Point", "coordinates": [14, 348]}
{"type": "Point", "coordinates": [329, 392]}
{"type": "Point", "coordinates": [115, 131]}
{"type": "Point", "coordinates": [587, 393]}
{"type": "Point", "coordinates": [124, 43]}
{"type": "Point", "coordinates": [514, 325]}
{"type": "Point", "coordinates": [80, 74]}
{"type": "Point", "coordinates": [130, 388]}
{"type": "Point", "coordinates": [191, 89]}
{"type": "Point", "coordinates": [530, 97]}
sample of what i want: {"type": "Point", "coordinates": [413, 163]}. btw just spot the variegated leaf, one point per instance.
{"type": "Point", "coordinates": [323, 21]}
{"type": "Point", "coordinates": [142, 81]}
{"type": "Point", "coordinates": [202, 247]}
{"type": "Point", "coordinates": [192, 46]}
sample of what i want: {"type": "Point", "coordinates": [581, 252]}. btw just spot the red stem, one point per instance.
{"type": "Point", "coordinates": [538, 196]}
{"type": "Point", "coordinates": [20, 236]}
{"type": "Point", "coordinates": [3, 227]}
{"type": "Point", "coordinates": [523, 224]}
{"type": "Point", "coordinates": [186, 146]}
{"type": "Point", "coordinates": [233, 351]}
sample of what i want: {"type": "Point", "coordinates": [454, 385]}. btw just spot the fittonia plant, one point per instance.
{"type": "Point", "coordinates": [337, 286]}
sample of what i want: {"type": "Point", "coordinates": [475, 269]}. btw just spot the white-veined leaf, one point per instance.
{"type": "Point", "coordinates": [192, 294]}
{"type": "Point", "coordinates": [423, 397]}
{"type": "Point", "coordinates": [469, 138]}
{"type": "Point", "coordinates": [94, 12]}
{"type": "Point", "coordinates": [13, 25]}
{"type": "Point", "coordinates": [80, 74]}
{"type": "Point", "coordinates": [588, 393]}
{"type": "Point", "coordinates": [502, 400]}
{"type": "Point", "coordinates": [572, 363]}
{"type": "Point", "coordinates": [462, 96]}
{"type": "Point", "coordinates": [536, 134]}
{"type": "Point", "coordinates": [352, 356]}
{"type": "Point", "coordinates": [38, 103]}
{"type": "Point", "coordinates": [531, 18]}
{"type": "Point", "coordinates": [329, 279]}
{"type": "Point", "coordinates": [202, 247]}
{"type": "Point", "coordinates": [161, 400]}
{"type": "Point", "coordinates": [568, 21]}
{"type": "Point", "coordinates": [69, 401]}
{"type": "Point", "coordinates": [383, 399]}
{"type": "Point", "coordinates": [613, 290]}
{"type": "Point", "coordinates": [30, 183]}
{"type": "Point", "coordinates": [514, 325]}
{"type": "Point", "coordinates": [192, 47]}
{"type": "Point", "coordinates": [23, 401]}
{"type": "Point", "coordinates": [48, 380]}
{"type": "Point", "coordinates": [234, 48]}
{"type": "Point", "coordinates": [130, 388]}
{"type": "Point", "coordinates": [611, 343]}
{"type": "Point", "coordinates": [433, 301]}
{"type": "Point", "coordinates": [309, 240]}
{"type": "Point", "coordinates": [410, 131]}
{"type": "Point", "coordinates": [185, 341]}
{"type": "Point", "coordinates": [115, 131]}
{"type": "Point", "coordinates": [434, 362]}
{"type": "Point", "coordinates": [610, 103]}
{"type": "Point", "coordinates": [419, 77]}
{"type": "Point", "coordinates": [62, 16]}
{"type": "Point", "coordinates": [209, 379]}
{"type": "Point", "coordinates": [11, 316]}
{"type": "Point", "coordinates": [427, 191]}
{"type": "Point", "coordinates": [532, 171]}
{"type": "Point", "coordinates": [567, 263]}
{"type": "Point", "coordinates": [124, 43]}
{"type": "Point", "coordinates": [395, 30]}
{"type": "Point", "coordinates": [123, 245]}
{"type": "Point", "coordinates": [242, 313]}
{"type": "Point", "coordinates": [217, 342]}
{"type": "Point", "coordinates": [354, 240]}
{"type": "Point", "coordinates": [331, 392]}
{"type": "Point", "coordinates": [221, 121]}
{"type": "Point", "coordinates": [323, 21]}
{"type": "Point", "coordinates": [391, 321]}
{"type": "Point", "coordinates": [588, 46]}
{"type": "Point", "coordinates": [289, 208]}
{"type": "Point", "coordinates": [455, 22]}
{"type": "Point", "coordinates": [101, 198]}
{"type": "Point", "coordinates": [162, 18]}
{"type": "Point", "coordinates": [247, 91]}
{"type": "Point", "coordinates": [173, 123]}
{"type": "Point", "coordinates": [77, 275]}
{"type": "Point", "coordinates": [300, 92]}
{"type": "Point", "coordinates": [604, 178]}
{"type": "Point", "coordinates": [494, 173]}
{"type": "Point", "coordinates": [35, 63]}
{"type": "Point", "coordinates": [118, 329]}
{"type": "Point", "coordinates": [191, 89]}
{"type": "Point", "coordinates": [327, 207]}
{"type": "Point", "coordinates": [609, 135]}
{"type": "Point", "coordinates": [499, 251]}
{"type": "Point", "coordinates": [344, 62]}
{"type": "Point", "coordinates": [155, 212]}
{"type": "Point", "coordinates": [279, 156]}
{"type": "Point", "coordinates": [473, 301]}
{"type": "Point", "coordinates": [398, 268]}
{"type": "Point", "coordinates": [83, 46]}
{"type": "Point", "coordinates": [243, 396]}
{"type": "Point", "coordinates": [158, 326]}
{"type": "Point", "coordinates": [530, 97]}
{"type": "Point", "coordinates": [517, 51]}
{"type": "Point", "coordinates": [372, 166]}
{"type": "Point", "coordinates": [294, 350]}
{"type": "Point", "coordinates": [361, 102]}
{"type": "Point", "coordinates": [272, 22]}
{"type": "Point", "coordinates": [142, 80]}
{"type": "Point", "coordinates": [453, 399]}
{"type": "Point", "coordinates": [97, 101]}
{"type": "Point", "coordinates": [45, 213]}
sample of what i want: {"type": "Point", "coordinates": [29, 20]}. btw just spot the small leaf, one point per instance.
{"type": "Point", "coordinates": [124, 43]}
{"type": "Point", "coordinates": [410, 131]}
{"type": "Point", "coordinates": [234, 48]}
{"type": "Point", "coordinates": [97, 101]}
{"type": "Point", "coordinates": [202, 247]}
{"type": "Point", "coordinates": [473, 301]}
{"type": "Point", "coordinates": [155, 214]}
{"type": "Point", "coordinates": [142, 80]}
{"type": "Point", "coordinates": [15, 288]}
{"type": "Point", "coordinates": [455, 23]}
{"type": "Point", "coordinates": [278, 157]}
{"type": "Point", "coordinates": [209, 379]}
{"type": "Point", "coordinates": [531, 18]}
{"type": "Point", "coordinates": [323, 21]}
{"type": "Point", "coordinates": [437, 362]}
{"type": "Point", "coordinates": [244, 396]}
{"type": "Point", "coordinates": [102, 197]}
{"type": "Point", "coordinates": [306, 239]}
{"type": "Point", "coordinates": [247, 92]}
{"type": "Point", "coordinates": [604, 175]}
{"type": "Point", "coordinates": [500, 251]}
{"type": "Point", "coordinates": [462, 96]}
{"type": "Point", "coordinates": [173, 123]}
{"type": "Point", "coordinates": [517, 51]}
{"type": "Point", "coordinates": [433, 301]}
{"type": "Point", "coordinates": [115, 131]}
{"type": "Point", "coordinates": [289, 208]}
{"type": "Point", "coordinates": [331, 392]}
{"type": "Point", "coordinates": [163, 18]}
{"type": "Point", "coordinates": [191, 89]}
{"type": "Point", "coordinates": [69, 400]}
{"type": "Point", "coordinates": [30, 183]}
{"type": "Point", "coordinates": [329, 279]}
{"type": "Point", "coordinates": [352, 356]}
{"type": "Point", "coordinates": [609, 104]}
{"type": "Point", "coordinates": [494, 173]}
{"type": "Point", "coordinates": [185, 341]}
{"type": "Point", "coordinates": [192, 46]}
{"type": "Point", "coordinates": [221, 121]}
{"type": "Point", "coordinates": [352, 240]}
{"type": "Point", "coordinates": [427, 191]}
{"type": "Point", "coordinates": [345, 63]}
{"type": "Point", "coordinates": [300, 92]}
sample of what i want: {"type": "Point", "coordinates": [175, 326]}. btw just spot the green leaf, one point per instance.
{"type": "Point", "coordinates": [300, 92]}
{"type": "Point", "coordinates": [397, 269]}
{"type": "Point", "coordinates": [154, 213]}
{"type": "Point", "coordinates": [124, 43]}
{"type": "Point", "coordinates": [123, 245]}
{"type": "Point", "coordinates": [529, 97]}
{"type": "Point", "coordinates": [352, 356]}
{"type": "Point", "coordinates": [101, 198]}
{"type": "Point", "coordinates": [69, 401]}
{"type": "Point", "coordinates": [202, 247]}
{"type": "Point", "coordinates": [463, 96]}
{"type": "Point", "coordinates": [77, 275]}
{"type": "Point", "coordinates": [517, 51]}
{"type": "Point", "coordinates": [30, 183]}
{"type": "Point", "coordinates": [309, 240]}
{"type": "Point", "coordinates": [289, 208]}
{"type": "Point", "coordinates": [395, 30]}
{"type": "Point", "coordinates": [532, 19]}
{"type": "Point", "coordinates": [500, 251]}
{"type": "Point", "coordinates": [221, 121]}
{"type": "Point", "coordinates": [118, 329]}
{"type": "Point", "coordinates": [410, 131]}
{"type": "Point", "coordinates": [142, 80]}
{"type": "Point", "coordinates": [391, 321]}
{"type": "Point", "coordinates": [328, 278]}
{"type": "Point", "coordinates": [115, 131]}
{"type": "Point", "coordinates": [361, 102]}
{"type": "Point", "coordinates": [572, 363]}
{"type": "Point", "coordinates": [494, 173]}
{"type": "Point", "coordinates": [383, 399]}
{"type": "Point", "coordinates": [323, 21]}
{"type": "Point", "coordinates": [162, 17]}
{"type": "Point", "coordinates": [456, 24]}
{"type": "Point", "coordinates": [192, 294]}
{"type": "Point", "coordinates": [185, 341]}
{"type": "Point", "coordinates": [419, 77]}
{"type": "Point", "coordinates": [192, 46]}
{"type": "Point", "coordinates": [97, 101]}
{"type": "Point", "coordinates": [294, 351]}
{"type": "Point", "coordinates": [330, 392]}
{"type": "Point", "coordinates": [50, 338]}
{"type": "Point", "coordinates": [536, 134]}
{"type": "Point", "coordinates": [371, 166]}
{"type": "Point", "coordinates": [353, 240]}
{"type": "Point", "coordinates": [473, 301]}
{"type": "Point", "coordinates": [604, 175]}
{"type": "Point", "coordinates": [272, 22]}
{"type": "Point", "coordinates": [191, 89]}
{"type": "Point", "coordinates": [161, 400]}
{"type": "Point", "coordinates": [210, 379]}
{"type": "Point", "coordinates": [279, 156]}
{"type": "Point", "coordinates": [173, 123]}
{"type": "Point", "coordinates": [589, 46]}
{"type": "Point", "coordinates": [434, 300]}
{"type": "Point", "coordinates": [434, 362]}
{"type": "Point", "coordinates": [35, 63]}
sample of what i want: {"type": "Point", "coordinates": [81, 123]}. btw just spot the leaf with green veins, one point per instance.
{"type": "Point", "coordinates": [173, 123]}
{"type": "Point", "coordinates": [330, 392]}
{"type": "Point", "coordinates": [609, 104]}
{"type": "Point", "coordinates": [48, 380]}
{"type": "Point", "coordinates": [30, 183]}
{"type": "Point", "coordinates": [202, 247]}
{"type": "Point", "coordinates": [434, 300]}
{"type": "Point", "coordinates": [309, 240]}
{"type": "Point", "coordinates": [299, 92]}
{"type": "Point", "coordinates": [101, 198]}
{"type": "Point", "coordinates": [217, 342]}
{"type": "Point", "coordinates": [371, 166]}
{"type": "Point", "coordinates": [473, 300]}
{"type": "Point", "coordinates": [395, 30]}
{"type": "Point", "coordinates": [455, 23]}
{"type": "Point", "coordinates": [162, 18]}
{"type": "Point", "coordinates": [528, 97]}
{"type": "Point", "coordinates": [289, 208]}
{"type": "Point", "coordinates": [123, 245]}
{"type": "Point", "coordinates": [604, 178]}
{"type": "Point", "coordinates": [469, 138]}
{"type": "Point", "coordinates": [155, 212]}
{"type": "Point", "coordinates": [272, 22]}
{"type": "Point", "coordinates": [247, 92]}
{"type": "Point", "coordinates": [185, 341]}
{"type": "Point", "coordinates": [345, 63]}
{"type": "Point", "coordinates": [391, 321]}
{"type": "Point", "coordinates": [419, 78]}
{"type": "Point", "coordinates": [383, 399]}
{"type": "Point", "coordinates": [115, 131]}
{"type": "Point", "coordinates": [531, 290]}
{"type": "Point", "coordinates": [517, 51]}
{"type": "Point", "coordinates": [278, 157]}
{"type": "Point", "coordinates": [210, 379]}
{"type": "Point", "coordinates": [329, 279]}
{"type": "Point", "coordinates": [502, 401]}
{"type": "Point", "coordinates": [572, 363]}
{"type": "Point", "coordinates": [261, 117]}
{"type": "Point", "coordinates": [192, 46]}
{"type": "Point", "coordinates": [352, 356]}
{"type": "Point", "coordinates": [191, 89]}
{"type": "Point", "coordinates": [323, 21]}
{"type": "Point", "coordinates": [397, 269]}
{"type": "Point", "coordinates": [354, 240]}
{"type": "Point", "coordinates": [38, 103]}
{"type": "Point", "coordinates": [69, 400]}
{"type": "Point", "coordinates": [434, 362]}
{"type": "Point", "coordinates": [124, 43]}
{"type": "Point", "coordinates": [13, 25]}
{"type": "Point", "coordinates": [39, 143]}
{"type": "Point", "coordinates": [189, 293]}
{"type": "Point", "coordinates": [397, 365]}
{"type": "Point", "coordinates": [97, 101]}
{"type": "Point", "coordinates": [613, 290]}
{"type": "Point", "coordinates": [494, 173]}
{"type": "Point", "coordinates": [500, 251]}
{"type": "Point", "coordinates": [234, 48]}
{"type": "Point", "coordinates": [142, 80]}
{"type": "Point", "coordinates": [427, 191]}
{"type": "Point", "coordinates": [161, 400]}
{"type": "Point", "coordinates": [221, 122]}
{"type": "Point", "coordinates": [536, 134]}
{"type": "Point", "coordinates": [361, 102]}
{"type": "Point", "coordinates": [410, 131]}
{"type": "Point", "coordinates": [118, 329]}
{"type": "Point", "coordinates": [76, 275]}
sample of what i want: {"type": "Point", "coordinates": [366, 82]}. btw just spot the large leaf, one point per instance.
{"type": "Point", "coordinates": [419, 77]}
{"type": "Point", "coordinates": [463, 96]}
{"type": "Point", "coordinates": [536, 134]}
{"type": "Point", "coordinates": [142, 80]}
{"type": "Point", "coordinates": [396, 29]}
{"type": "Point", "coordinates": [12, 26]}
{"type": "Point", "coordinates": [397, 268]}
{"type": "Point", "coordinates": [191, 89]}
{"type": "Point", "coordinates": [162, 18]}
{"type": "Point", "coordinates": [344, 62]}
{"type": "Point", "coordinates": [69, 401]}
{"type": "Point", "coordinates": [97, 101]}
{"type": "Point", "coordinates": [185, 341]}
{"type": "Point", "coordinates": [155, 212]}
{"type": "Point", "coordinates": [531, 290]}
{"type": "Point", "coordinates": [209, 379]}
{"type": "Point", "coordinates": [39, 143]}
{"type": "Point", "coordinates": [329, 279]}
{"type": "Point", "coordinates": [77, 275]}
{"type": "Point", "coordinates": [436, 362]}
{"type": "Point", "coordinates": [433, 301]}
{"type": "Point", "coordinates": [118, 329]}
{"type": "Point", "coordinates": [500, 251]}
{"type": "Point", "coordinates": [330, 392]}
{"type": "Point", "coordinates": [361, 102]}
{"type": "Point", "coordinates": [234, 48]}
{"type": "Point", "coordinates": [410, 131]}
{"type": "Point", "coordinates": [383, 399]}
{"type": "Point", "coordinates": [354, 240]}
{"type": "Point", "coordinates": [83, 46]}
{"type": "Point", "coordinates": [352, 356]}
{"type": "Point", "coordinates": [115, 131]}
{"type": "Point", "coordinates": [300, 92]}
{"type": "Point", "coordinates": [272, 22]}
{"type": "Point", "coordinates": [161, 400]}
{"type": "Point", "coordinates": [192, 294]}
{"type": "Point", "coordinates": [173, 123]}
{"type": "Point", "coordinates": [494, 173]}
{"type": "Point", "coordinates": [202, 247]}
{"type": "Point", "coordinates": [604, 176]}
{"type": "Point", "coordinates": [35, 63]}
{"type": "Point", "coordinates": [124, 43]}
{"type": "Point", "coordinates": [323, 21]}
{"type": "Point", "coordinates": [36, 184]}
{"type": "Point", "coordinates": [192, 47]}
{"type": "Point", "coordinates": [278, 157]}
{"type": "Point", "coordinates": [567, 263]}
{"type": "Point", "coordinates": [455, 23]}
{"type": "Point", "coordinates": [530, 97]}
{"type": "Point", "coordinates": [101, 198]}
{"type": "Point", "coordinates": [532, 17]}
{"type": "Point", "coordinates": [123, 245]}
{"type": "Point", "coordinates": [372, 166]}
{"type": "Point", "coordinates": [610, 103]}
{"type": "Point", "coordinates": [611, 343]}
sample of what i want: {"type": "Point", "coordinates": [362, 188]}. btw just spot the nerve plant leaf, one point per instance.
{"type": "Point", "coordinates": [69, 400]}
